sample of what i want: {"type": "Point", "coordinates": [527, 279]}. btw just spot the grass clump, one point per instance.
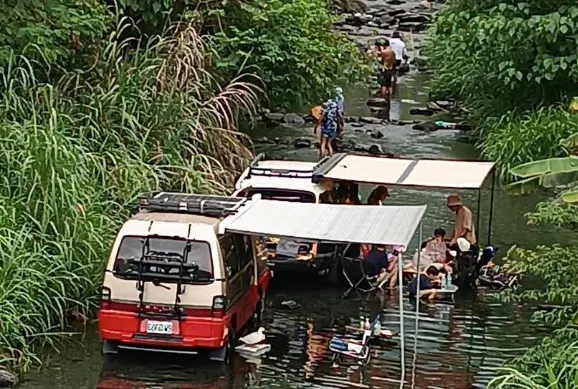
{"type": "Point", "coordinates": [77, 147]}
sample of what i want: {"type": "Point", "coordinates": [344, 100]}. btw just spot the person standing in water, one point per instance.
{"type": "Point", "coordinates": [329, 126]}
{"type": "Point", "coordinates": [398, 47]}
{"type": "Point", "coordinates": [387, 62]}
{"type": "Point", "coordinates": [317, 115]}
{"type": "Point", "coordinates": [341, 120]}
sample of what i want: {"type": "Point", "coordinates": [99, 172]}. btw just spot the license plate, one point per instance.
{"type": "Point", "coordinates": [160, 327]}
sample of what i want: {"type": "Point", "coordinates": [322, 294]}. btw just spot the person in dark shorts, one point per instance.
{"type": "Point", "coordinates": [425, 284]}
{"type": "Point", "coordinates": [376, 263]}
{"type": "Point", "coordinates": [387, 59]}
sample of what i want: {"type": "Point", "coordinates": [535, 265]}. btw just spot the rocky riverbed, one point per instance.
{"type": "Point", "coordinates": [366, 22]}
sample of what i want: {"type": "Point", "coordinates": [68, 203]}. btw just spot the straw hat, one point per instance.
{"type": "Point", "coordinates": [454, 200]}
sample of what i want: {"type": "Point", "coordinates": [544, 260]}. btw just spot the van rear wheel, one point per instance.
{"type": "Point", "coordinates": [225, 353]}
{"type": "Point", "coordinates": [109, 348]}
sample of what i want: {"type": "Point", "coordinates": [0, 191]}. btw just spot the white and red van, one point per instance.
{"type": "Point", "coordinates": [174, 284]}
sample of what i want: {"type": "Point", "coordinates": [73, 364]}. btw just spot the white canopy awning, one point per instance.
{"type": "Point", "coordinates": [407, 172]}
{"type": "Point", "coordinates": [332, 223]}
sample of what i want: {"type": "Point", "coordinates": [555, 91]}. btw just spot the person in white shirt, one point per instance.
{"type": "Point", "coordinates": [398, 47]}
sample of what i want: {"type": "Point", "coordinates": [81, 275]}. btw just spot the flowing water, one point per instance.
{"type": "Point", "coordinates": [447, 345]}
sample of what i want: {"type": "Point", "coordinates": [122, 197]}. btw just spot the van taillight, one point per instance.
{"type": "Point", "coordinates": [219, 306]}
{"type": "Point", "coordinates": [105, 295]}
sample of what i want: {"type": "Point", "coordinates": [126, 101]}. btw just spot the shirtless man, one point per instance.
{"type": "Point", "coordinates": [387, 58]}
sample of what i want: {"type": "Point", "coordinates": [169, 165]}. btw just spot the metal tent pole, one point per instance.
{"type": "Point", "coordinates": [491, 208]}
{"type": "Point", "coordinates": [478, 214]}
{"type": "Point", "coordinates": [401, 324]}
{"type": "Point", "coordinates": [417, 306]}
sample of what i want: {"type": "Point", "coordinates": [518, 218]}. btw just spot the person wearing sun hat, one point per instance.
{"type": "Point", "coordinates": [463, 222]}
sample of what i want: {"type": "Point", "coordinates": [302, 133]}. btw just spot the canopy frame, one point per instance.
{"type": "Point", "coordinates": [327, 165]}
{"type": "Point", "coordinates": [227, 224]}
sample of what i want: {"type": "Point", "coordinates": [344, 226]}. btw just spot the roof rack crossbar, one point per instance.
{"type": "Point", "coordinates": [256, 170]}
{"type": "Point", "coordinates": [325, 165]}
{"type": "Point", "coordinates": [218, 206]}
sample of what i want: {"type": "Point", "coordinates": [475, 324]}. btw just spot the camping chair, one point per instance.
{"type": "Point", "coordinates": [352, 266]}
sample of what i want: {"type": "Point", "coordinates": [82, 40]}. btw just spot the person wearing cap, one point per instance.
{"type": "Point", "coordinates": [378, 196]}
{"type": "Point", "coordinates": [463, 223]}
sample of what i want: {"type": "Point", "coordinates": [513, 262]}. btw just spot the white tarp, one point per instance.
{"type": "Point", "coordinates": [406, 172]}
{"type": "Point", "coordinates": [333, 223]}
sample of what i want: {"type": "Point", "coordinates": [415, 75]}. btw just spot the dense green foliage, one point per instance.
{"type": "Point", "coordinates": [53, 30]}
{"type": "Point", "coordinates": [516, 139]}
{"type": "Point", "coordinates": [504, 59]}
{"type": "Point", "coordinates": [554, 363]}
{"type": "Point", "coordinates": [292, 44]}
{"type": "Point", "coordinates": [76, 151]}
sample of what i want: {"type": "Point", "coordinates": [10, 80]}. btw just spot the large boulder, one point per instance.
{"type": "Point", "coordinates": [411, 18]}
{"type": "Point", "coordinates": [293, 118]}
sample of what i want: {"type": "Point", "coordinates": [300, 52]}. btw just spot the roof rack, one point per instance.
{"type": "Point", "coordinates": [216, 206]}
{"type": "Point", "coordinates": [256, 170]}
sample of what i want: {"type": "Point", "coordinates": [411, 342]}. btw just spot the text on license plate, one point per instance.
{"type": "Point", "coordinates": [160, 327]}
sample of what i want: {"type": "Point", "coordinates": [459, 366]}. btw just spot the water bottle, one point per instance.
{"type": "Point", "coordinates": [377, 327]}
{"type": "Point", "coordinates": [444, 283]}
{"type": "Point", "coordinates": [449, 281]}
{"type": "Point", "coordinates": [361, 323]}
{"type": "Point", "coordinates": [367, 324]}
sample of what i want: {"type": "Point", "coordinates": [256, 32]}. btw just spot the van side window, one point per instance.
{"type": "Point", "coordinates": [244, 250]}
{"type": "Point", "coordinates": [230, 255]}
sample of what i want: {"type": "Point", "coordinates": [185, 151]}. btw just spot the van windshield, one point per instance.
{"type": "Point", "coordinates": [295, 196]}
{"type": "Point", "coordinates": [159, 259]}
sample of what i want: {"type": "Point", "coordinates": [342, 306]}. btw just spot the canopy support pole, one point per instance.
{"type": "Point", "coordinates": [417, 306]}
{"type": "Point", "coordinates": [490, 220]}
{"type": "Point", "coordinates": [478, 214]}
{"type": "Point", "coordinates": [401, 318]}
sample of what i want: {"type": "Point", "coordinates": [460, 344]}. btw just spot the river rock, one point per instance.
{"type": "Point", "coordinates": [301, 143]}
{"type": "Point", "coordinates": [357, 125]}
{"type": "Point", "coordinates": [403, 68]}
{"type": "Point", "coordinates": [350, 119]}
{"type": "Point", "coordinates": [293, 118]}
{"type": "Point", "coordinates": [396, 12]}
{"type": "Point", "coordinates": [375, 150]}
{"type": "Point", "coordinates": [426, 126]}
{"type": "Point", "coordinates": [377, 109]}
{"type": "Point", "coordinates": [414, 18]}
{"type": "Point", "coordinates": [444, 104]}
{"type": "Point", "coordinates": [378, 102]}
{"type": "Point", "coordinates": [411, 26]}
{"type": "Point", "coordinates": [376, 134]}
{"type": "Point", "coordinates": [395, 2]}
{"type": "Point", "coordinates": [420, 111]}
{"type": "Point", "coordinates": [7, 379]}
{"type": "Point", "coordinates": [370, 120]}
{"type": "Point", "coordinates": [262, 140]}
{"type": "Point", "coordinates": [386, 20]}
{"type": "Point", "coordinates": [275, 117]}
{"type": "Point", "coordinates": [277, 140]}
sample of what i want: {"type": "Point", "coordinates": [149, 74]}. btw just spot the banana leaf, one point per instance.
{"type": "Point", "coordinates": [546, 166]}
{"type": "Point", "coordinates": [522, 187]}
{"type": "Point", "coordinates": [550, 180]}
{"type": "Point", "coordinates": [570, 196]}
{"type": "Point", "coordinates": [570, 142]}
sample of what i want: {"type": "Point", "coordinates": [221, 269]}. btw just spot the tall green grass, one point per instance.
{"type": "Point", "coordinates": [77, 147]}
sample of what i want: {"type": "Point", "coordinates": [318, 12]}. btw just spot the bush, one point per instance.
{"type": "Point", "coordinates": [299, 56]}
{"type": "Point", "coordinates": [515, 139]}
{"type": "Point", "coordinates": [53, 31]}
{"type": "Point", "coordinates": [76, 152]}
{"type": "Point", "coordinates": [497, 56]}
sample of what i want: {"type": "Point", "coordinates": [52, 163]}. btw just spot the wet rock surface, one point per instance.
{"type": "Point", "coordinates": [7, 379]}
